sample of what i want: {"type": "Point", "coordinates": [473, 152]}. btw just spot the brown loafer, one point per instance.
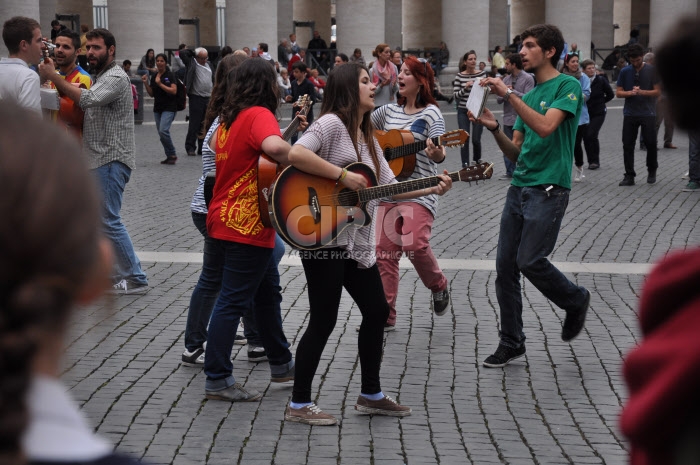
{"type": "Point", "coordinates": [670, 146]}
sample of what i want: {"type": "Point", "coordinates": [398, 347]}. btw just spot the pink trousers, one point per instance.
{"type": "Point", "coordinates": [405, 228]}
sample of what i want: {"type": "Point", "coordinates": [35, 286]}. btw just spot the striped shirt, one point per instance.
{"type": "Point", "coordinates": [108, 128]}
{"type": "Point", "coordinates": [198, 204]}
{"type": "Point", "coordinates": [461, 93]}
{"type": "Point", "coordinates": [329, 139]}
{"type": "Point", "coordinates": [427, 123]}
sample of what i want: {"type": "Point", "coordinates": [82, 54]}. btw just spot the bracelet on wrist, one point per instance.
{"type": "Point", "coordinates": [341, 176]}
{"type": "Point", "coordinates": [495, 130]}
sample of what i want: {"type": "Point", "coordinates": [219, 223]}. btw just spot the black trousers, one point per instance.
{"type": "Point", "coordinates": [630, 127]}
{"type": "Point", "coordinates": [327, 272]}
{"type": "Point", "coordinates": [590, 139]}
{"type": "Point", "coordinates": [578, 150]}
{"type": "Point", "coordinates": [198, 108]}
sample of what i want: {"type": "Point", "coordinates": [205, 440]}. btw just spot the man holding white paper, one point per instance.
{"type": "Point", "coordinates": [542, 148]}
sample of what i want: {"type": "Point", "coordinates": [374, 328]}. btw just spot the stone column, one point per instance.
{"type": "Point", "coordinates": [498, 24]}
{"type": "Point", "coordinates": [360, 24]}
{"type": "Point", "coordinates": [664, 15]}
{"type": "Point", "coordinates": [81, 7]}
{"type": "Point", "coordinates": [319, 11]}
{"type": "Point", "coordinates": [205, 10]}
{"type": "Point", "coordinates": [602, 27]}
{"type": "Point", "coordinates": [393, 25]}
{"type": "Point", "coordinates": [465, 26]}
{"type": "Point", "coordinates": [247, 27]}
{"type": "Point", "coordinates": [573, 17]}
{"type": "Point", "coordinates": [48, 13]}
{"type": "Point", "coordinates": [285, 21]}
{"type": "Point", "coordinates": [137, 26]}
{"type": "Point", "coordinates": [422, 24]}
{"type": "Point", "coordinates": [622, 16]}
{"type": "Point", "coordinates": [171, 24]}
{"type": "Point", "coordinates": [525, 13]}
{"type": "Point", "coordinates": [28, 8]}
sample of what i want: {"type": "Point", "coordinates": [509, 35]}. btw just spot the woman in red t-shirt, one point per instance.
{"type": "Point", "coordinates": [250, 277]}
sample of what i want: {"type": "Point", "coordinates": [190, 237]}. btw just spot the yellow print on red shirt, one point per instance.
{"type": "Point", "coordinates": [240, 210]}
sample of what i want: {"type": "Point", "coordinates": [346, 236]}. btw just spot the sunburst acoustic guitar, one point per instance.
{"type": "Point", "coordinates": [400, 148]}
{"type": "Point", "coordinates": [310, 211]}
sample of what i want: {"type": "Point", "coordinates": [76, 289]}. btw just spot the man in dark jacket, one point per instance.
{"type": "Point", "coordinates": [199, 80]}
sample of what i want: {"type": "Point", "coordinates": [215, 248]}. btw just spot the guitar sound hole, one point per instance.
{"type": "Point", "coordinates": [348, 198]}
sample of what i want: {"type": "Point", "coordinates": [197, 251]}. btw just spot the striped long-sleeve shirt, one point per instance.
{"type": "Point", "coordinates": [461, 93]}
{"type": "Point", "coordinates": [426, 123]}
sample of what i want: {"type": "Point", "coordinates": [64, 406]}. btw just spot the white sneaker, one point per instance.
{"type": "Point", "coordinates": [578, 174]}
{"type": "Point", "coordinates": [686, 176]}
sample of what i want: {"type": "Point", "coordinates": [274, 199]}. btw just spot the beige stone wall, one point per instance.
{"type": "Point", "coordinates": [205, 10]}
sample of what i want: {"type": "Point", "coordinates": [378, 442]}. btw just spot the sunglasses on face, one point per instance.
{"type": "Point", "coordinates": [425, 65]}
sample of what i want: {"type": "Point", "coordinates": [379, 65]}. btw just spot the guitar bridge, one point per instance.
{"type": "Point", "coordinates": [314, 206]}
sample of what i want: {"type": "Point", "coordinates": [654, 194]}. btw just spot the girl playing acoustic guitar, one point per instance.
{"type": "Point", "coordinates": [342, 135]}
{"type": "Point", "coordinates": [406, 225]}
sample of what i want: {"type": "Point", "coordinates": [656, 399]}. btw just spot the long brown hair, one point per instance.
{"type": "Point", "coordinates": [218, 93]}
{"type": "Point", "coordinates": [425, 77]}
{"type": "Point", "coordinates": [50, 249]}
{"type": "Point", "coordinates": [341, 97]}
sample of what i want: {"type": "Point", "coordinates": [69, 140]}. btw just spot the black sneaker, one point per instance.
{"type": "Point", "coordinates": [193, 359]}
{"type": "Point", "coordinates": [240, 340]}
{"type": "Point", "coordinates": [441, 300]}
{"type": "Point", "coordinates": [651, 179]}
{"type": "Point", "coordinates": [503, 356]}
{"type": "Point", "coordinates": [573, 324]}
{"type": "Point", "coordinates": [627, 181]}
{"type": "Point", "coordinates": [257, 354]}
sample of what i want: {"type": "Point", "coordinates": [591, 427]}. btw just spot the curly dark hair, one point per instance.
{"type": "Point", "coordinates": [547, 36]}
{"type": "Point", "coordinates": [341, 97]}
{"type": "Point", "coordinates": [252, 84]}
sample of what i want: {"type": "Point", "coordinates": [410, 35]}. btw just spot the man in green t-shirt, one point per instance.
{"type": "Point", "coordinates": [543, 150]}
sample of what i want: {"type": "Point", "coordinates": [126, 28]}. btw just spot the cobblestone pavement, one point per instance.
{"type": "Point", "coordinates": [557, 405]}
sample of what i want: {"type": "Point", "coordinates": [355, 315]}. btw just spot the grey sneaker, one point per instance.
{"type": "Point", "coordinates": [385, 406]}
{"type": "Point", "coordinates": [235, 393]}
{"type": "Point", "coordinates": [441, 300]}
{"type": "Point", "coordinates": [127, 287]}
{"type": "Point", "coordinates": [309, 415]}
{"type": "Point", "coordinates": [240, 340]}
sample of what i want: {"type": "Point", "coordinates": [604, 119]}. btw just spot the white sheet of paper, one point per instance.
{"type": "Point", "coordinates": [50, 99]}
{"type": "Point", "coordinates": [477, 98]}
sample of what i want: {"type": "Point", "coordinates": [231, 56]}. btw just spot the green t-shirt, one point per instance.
{"type": "Point", "coordinates": [549, 160]}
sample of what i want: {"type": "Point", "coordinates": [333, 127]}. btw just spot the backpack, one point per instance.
{"type": "Point", "coordinates": [181, 96]}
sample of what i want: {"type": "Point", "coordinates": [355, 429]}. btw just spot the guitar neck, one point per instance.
{"type": "Point", "coordinates": [294, 125]}
{"type": "Point", "coordinates": [389, 190]}
{"type": "Point", "coordinates": [409, 149]}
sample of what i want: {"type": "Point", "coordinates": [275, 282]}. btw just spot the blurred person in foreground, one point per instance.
{"type": "Point", "coordinates": [54, 259]}
{"type": "Point", "coordinates": [660, 418]}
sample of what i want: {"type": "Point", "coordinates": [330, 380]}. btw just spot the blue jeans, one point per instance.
{"type": "Point", "coordinates": [510, 166]}
{"type": "Point", "coordinates": [207, 290]}
{"type": "Point", "coordinates": [474, 131]}
{"type": "Point", "coordinates": [529, 228]}
{"type": "Point", "coordinates": [112, 178]}
{"type": "Point", "coordinates": [694, 156]}
{"type": "Point", "coordinates": [250, 281]}
{"type": "Point", "coordinates": [163, 122]}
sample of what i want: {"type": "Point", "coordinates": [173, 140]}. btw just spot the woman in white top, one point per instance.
{"type": "Point", "coordinates": [343, 134]}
